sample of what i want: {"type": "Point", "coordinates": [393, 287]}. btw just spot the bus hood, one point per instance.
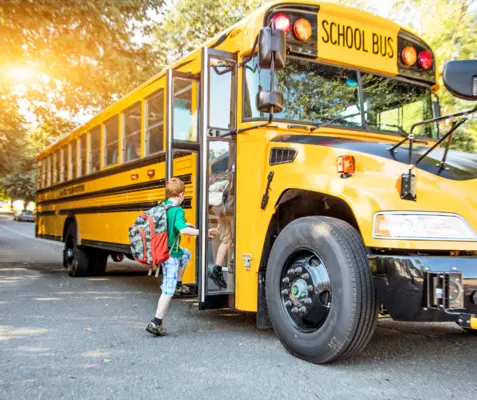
{"type": "Point", "coordinates": [459, 166]}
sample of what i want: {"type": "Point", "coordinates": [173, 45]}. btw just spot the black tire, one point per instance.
{"type": "Point", "coordinates": [77, 263]}
{"type": "Point", "coordinates": [470, 331]}
{"type": "Point", "coordinates": [98, 262]}
{"type": "Point", "coordinates": [351, 317]}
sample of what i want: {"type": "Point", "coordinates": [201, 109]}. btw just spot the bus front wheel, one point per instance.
{"type": "Point", "coordinates": [319, 290]}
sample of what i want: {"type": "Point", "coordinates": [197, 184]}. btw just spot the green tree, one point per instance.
{"type": "Point", "coordinates": [186, 24]}
{"type": "Point", "coordinates": [63, 58]}
{"type": "Point", "coordinates": [450, 31]}
{"type": "Point", "coordinates": [20, 186]}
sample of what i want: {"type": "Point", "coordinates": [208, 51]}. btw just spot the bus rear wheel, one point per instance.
{"type": "Point", "coordinates": [76, 258]}
{"type": "Point", "coordinates": [319, 290]}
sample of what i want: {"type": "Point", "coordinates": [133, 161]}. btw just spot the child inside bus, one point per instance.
{"type": "Point", "coordinates": [173, 268]}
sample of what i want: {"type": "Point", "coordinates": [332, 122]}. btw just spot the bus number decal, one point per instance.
{"type": "Point", "coordinates": [71, 190]}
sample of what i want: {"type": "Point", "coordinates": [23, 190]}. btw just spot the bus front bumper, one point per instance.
{"type": "Point", "coordinates": [424, 288]}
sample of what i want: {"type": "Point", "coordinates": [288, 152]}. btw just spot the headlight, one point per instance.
{"type": "Point", "coordinates": [422, 226]}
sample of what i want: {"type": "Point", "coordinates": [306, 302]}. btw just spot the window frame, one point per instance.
{"type": "Point", "coordinates": [359, 72]}
{"type": "Point", "coordinates": [233, 94]}
{"type": "Point", "coordinates": [147, 128]}
{"type": "Point", "coordinates": [123, 131]}
{"type": "Point", "coordinates": [105, 142]}
{"type": "Point", "coordinates": [89, 146]}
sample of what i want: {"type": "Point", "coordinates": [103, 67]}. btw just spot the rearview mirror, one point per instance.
{"type": "Point", "coordinates": [460, 78]}
{"type": "Point", "coordinates": [271, 48]}
{"type": "Point", "coordinates": [267, 100]}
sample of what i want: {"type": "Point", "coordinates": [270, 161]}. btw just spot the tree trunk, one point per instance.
{"type": "Point", "coordinates": [11, 204]}
{"type": "Point", "coordinates": [25, 204]}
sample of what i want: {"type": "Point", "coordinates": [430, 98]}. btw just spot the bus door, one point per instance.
{"type": "Point", "coordinates": [217, 179]}
{"type": "Point", "coordinates": [182, 155]}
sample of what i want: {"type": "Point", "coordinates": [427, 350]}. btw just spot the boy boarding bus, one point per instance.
{"type": "Point", "coordinates": [343, 201]}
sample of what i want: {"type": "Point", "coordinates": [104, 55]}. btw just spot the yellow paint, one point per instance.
{"type": "Point", "coordinates": [473, 322]}
{"type": "Point", "coordinates": [372, 188]}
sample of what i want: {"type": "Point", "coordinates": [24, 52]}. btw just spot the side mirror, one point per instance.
{"type": "Point", "coordinates": [272, 56]}
{"type": "Point", "coordinates": [267, 100]}
{"type": "Point", "coordinates": [271, 48]}
{"type": "Point", "coordinates": [460, 78]}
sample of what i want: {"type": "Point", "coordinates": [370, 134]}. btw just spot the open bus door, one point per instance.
{"type": "Point", "coordinates": [218, 85]}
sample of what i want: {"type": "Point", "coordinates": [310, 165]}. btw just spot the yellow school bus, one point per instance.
{"type": "Point", "coordinates": [309, 134]}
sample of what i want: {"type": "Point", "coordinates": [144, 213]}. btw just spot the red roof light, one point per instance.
{"type": "Point", "coordinates": [424, 59]}
{"type": "Point", "coordinates": [282, 22]}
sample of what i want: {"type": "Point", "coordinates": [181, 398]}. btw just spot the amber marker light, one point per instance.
{"type": "Point", "coordinates": [380, 226]}
{"type": "Point", "coordinates": [409, 56]}
{"type": "Point", "coordinates": [302, 29]}
{"type": "Point", "coordinates": [346, 165]}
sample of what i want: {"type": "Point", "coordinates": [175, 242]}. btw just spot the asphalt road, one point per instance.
{"type": "Point", "coordinates": [84, 338]}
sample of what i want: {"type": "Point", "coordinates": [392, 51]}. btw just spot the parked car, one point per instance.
{"type": "Point", "coordinates": [23, 215]}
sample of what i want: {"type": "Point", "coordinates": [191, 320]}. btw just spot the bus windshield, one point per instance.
{"type": "Point", "coordinates": [317, 93]}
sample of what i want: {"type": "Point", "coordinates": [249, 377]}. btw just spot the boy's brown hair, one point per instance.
{"type": "Point", "coordinates": [174, 187]}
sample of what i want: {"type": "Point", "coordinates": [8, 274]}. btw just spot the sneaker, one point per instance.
{"type": "Point", "coordinates": [156, 329]}
{"type": "Point", "coordinates": [218, 278]}
{"type": "Point", "coordinates": [182, 291]}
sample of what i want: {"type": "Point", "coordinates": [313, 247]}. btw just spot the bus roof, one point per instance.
{"type": "Point", "coordinates": [246, 29]}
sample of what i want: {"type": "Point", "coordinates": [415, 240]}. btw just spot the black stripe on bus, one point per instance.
{"type": "Point", "coordinates": [118, 247]}
{"type": "Point", "coordinates": [120, 208]}
{"type": "Point", "coordinates": [143, 162]}
{"type": "Point", "coordinates": [45, 213]}
{"type": "Point", "coordinates": [136, 187]}
{"type": "Point", "coordinates": [50, 237]}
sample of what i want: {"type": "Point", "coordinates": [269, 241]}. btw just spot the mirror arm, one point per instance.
{"type": "Point", "coordinates": [430, 121]}
{"type": "Point", "coordinates": [453, 129]}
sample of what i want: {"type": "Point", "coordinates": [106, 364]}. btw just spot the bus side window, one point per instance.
{"type": "Point", "coordinates": [95, 147]}
{"type": "Point", "coordinates": [82, 155]}
{"type": "Point", "coordinates": [132, 133]}
{"type": "Point", "coordinates": [74, 165]}
{"type": "Point", "coordinates": [64, 163]}
{"type": "Point", "coordinates": [58, 166]}
{"type": "Point", "coordinates": [155, 123]}
{"type": "Point", "coordinates": [111, 141]}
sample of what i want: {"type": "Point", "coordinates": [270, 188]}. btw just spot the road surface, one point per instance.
{"type": "Point", "coordinates": [84, 338]}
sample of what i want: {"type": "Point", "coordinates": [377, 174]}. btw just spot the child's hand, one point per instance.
{"type": "Point", "coordinates": [212, 232]}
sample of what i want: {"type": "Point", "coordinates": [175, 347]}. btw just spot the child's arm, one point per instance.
{"type": "Point", "coordinates": [189, 231]}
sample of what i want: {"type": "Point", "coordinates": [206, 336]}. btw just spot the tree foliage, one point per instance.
{"type": "Point", "coordinates": [20, 186]}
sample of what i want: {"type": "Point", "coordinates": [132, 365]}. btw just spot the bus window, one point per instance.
{"type": "Point", "coordinates": [73, 148]}
{"type": "Point", "coordinates": [155, 123]}
{"type": "Point", "coordinates": [58, 166]}
{"type": "Point", "coordinates": [111, 141]}
{"type": "Point", "coordinates": [393, 106]}
{"type": "Point", "coordinates": [95, 148]}
{"type": "Point", "coordinates": [43, 173]}
{"type": "Point", "coordinates": [132, 133]}
{"type": "Point", "coordinates": [184, 113]}
{"type": "Point", "coordinates": [312, 92]}
{"type": "Point", "coordinates": [220, 110]}
{"type": "Point", "coordinates": [64, 163]}
{"type": "Point", "coordinates": [82, 155]}
{"type": "Point", "coordinates": [49, 171]}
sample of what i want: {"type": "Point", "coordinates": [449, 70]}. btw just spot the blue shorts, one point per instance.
{"type": "Point", "coordinates": [170, 269]}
